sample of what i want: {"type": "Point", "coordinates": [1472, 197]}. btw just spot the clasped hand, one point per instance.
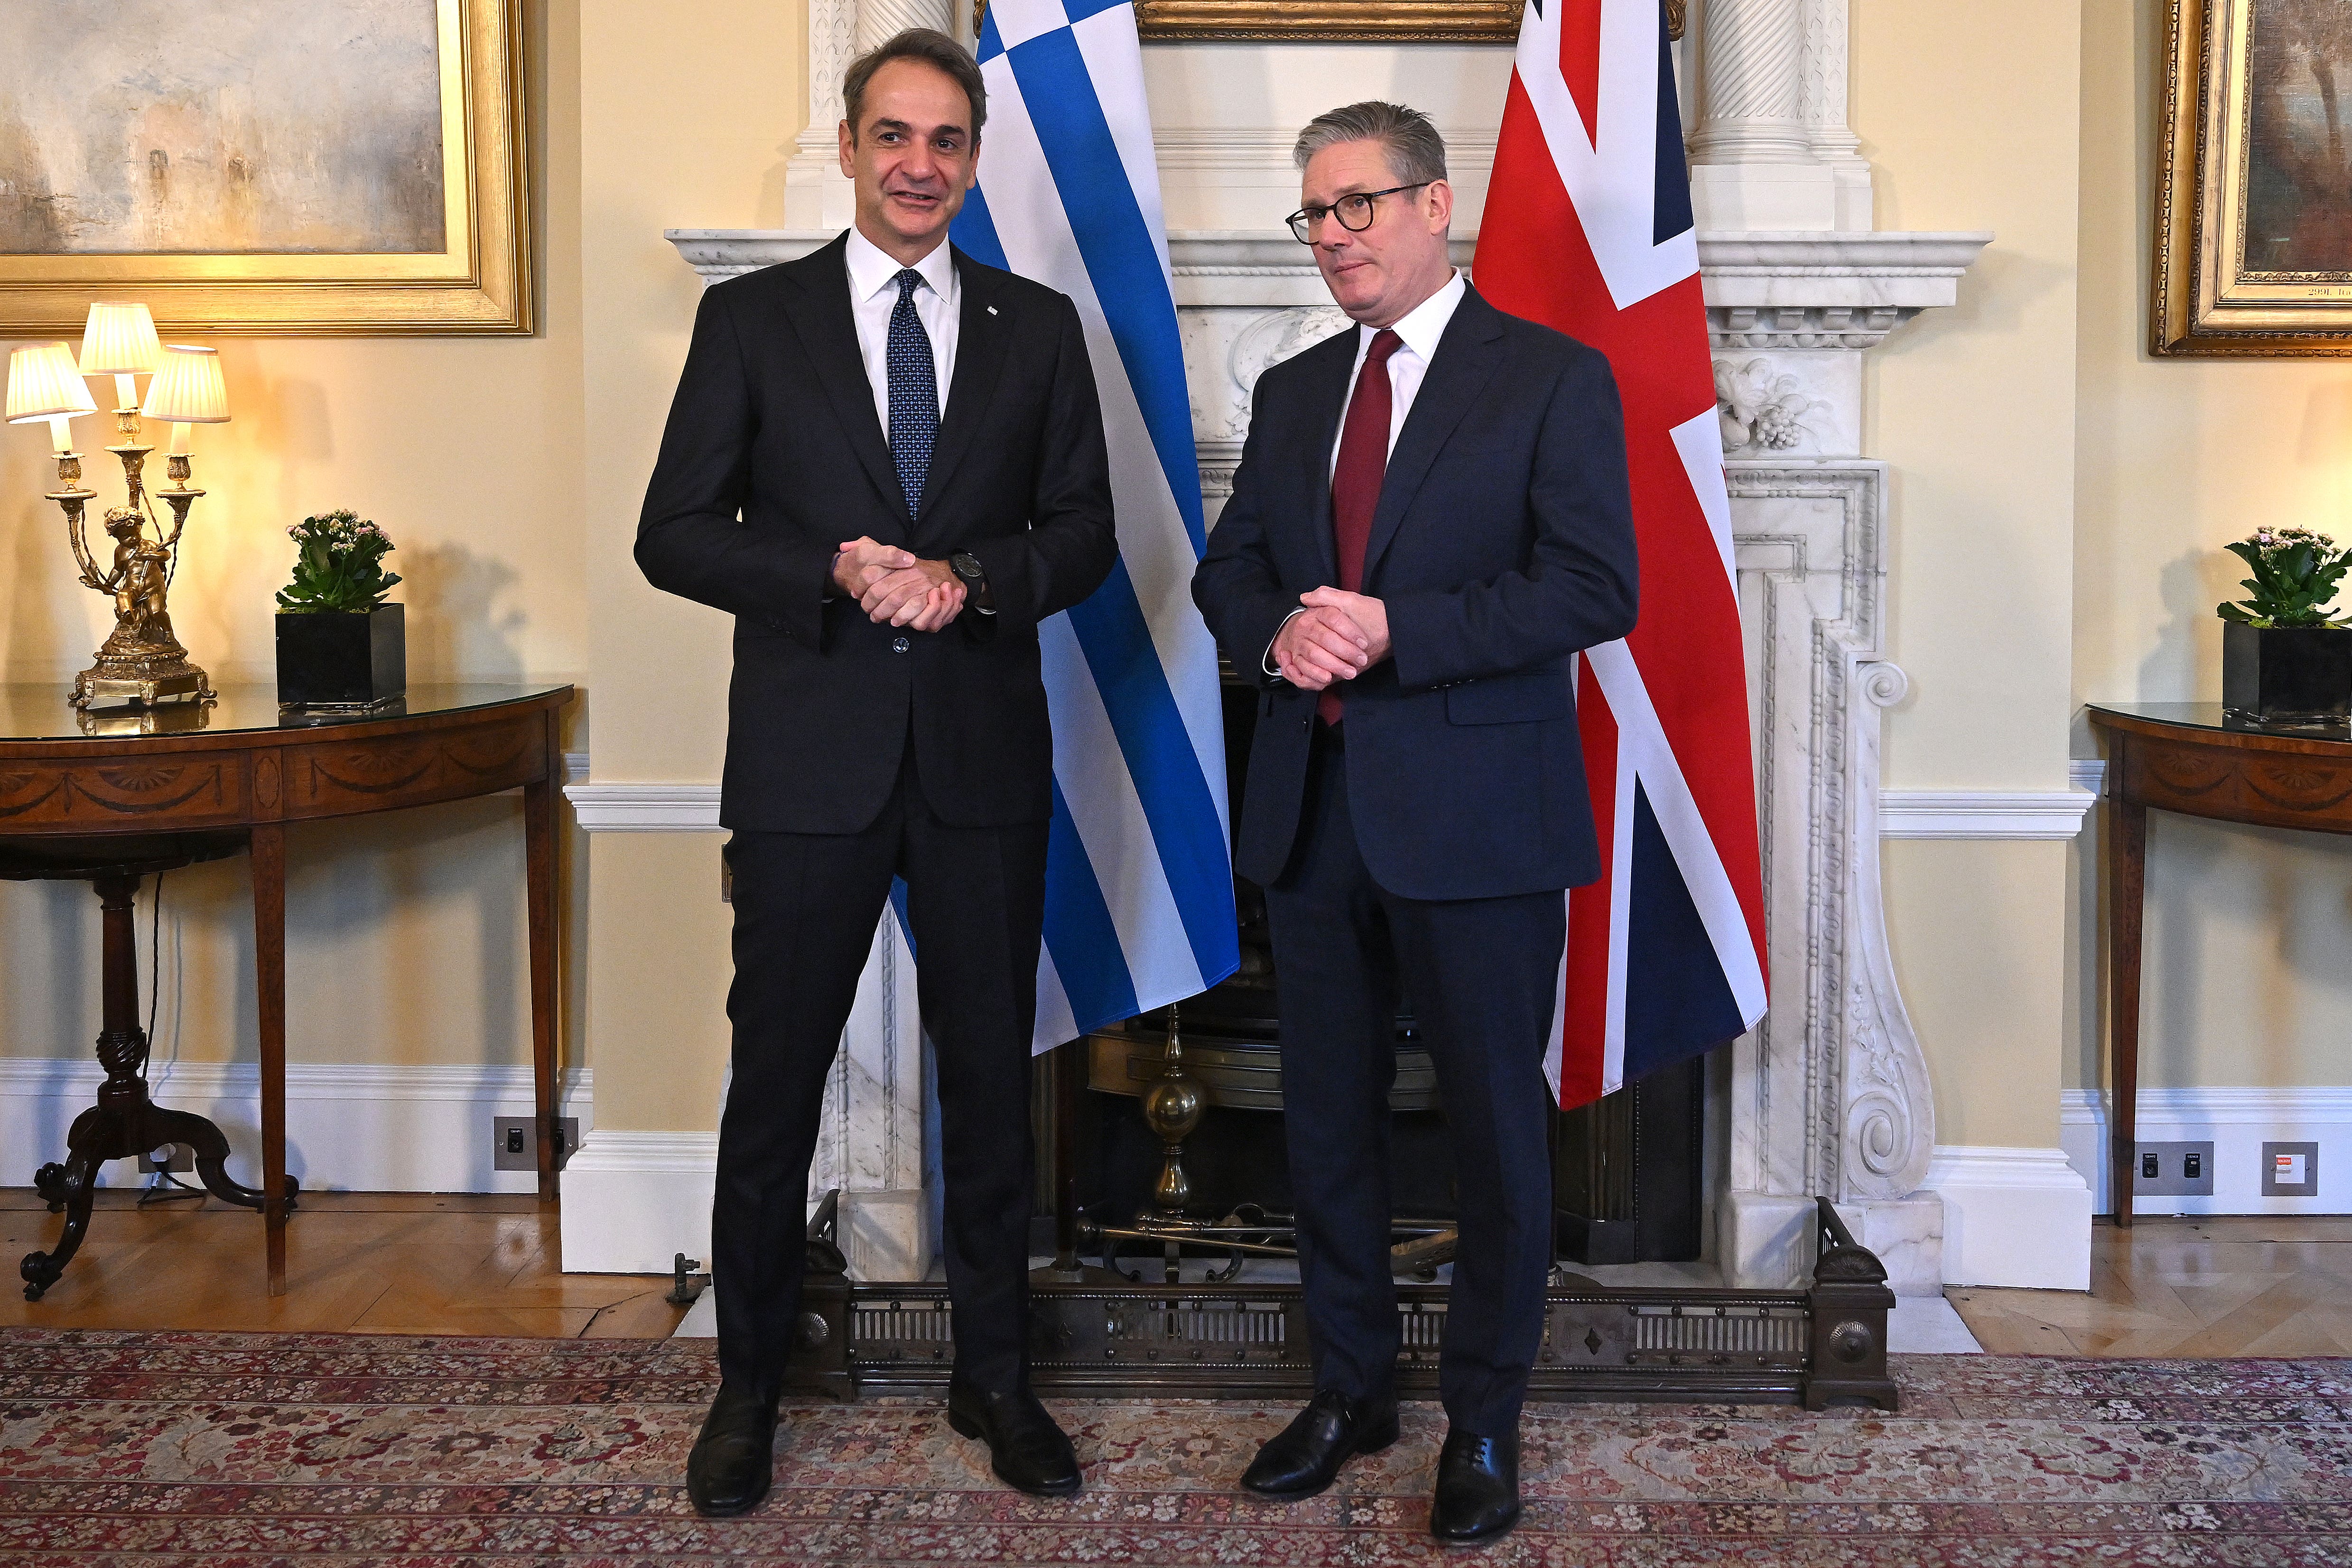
{"type": "Point", "coordinates": [894, 588]}
{"type": "Point", "coordinates": [1337, 637]}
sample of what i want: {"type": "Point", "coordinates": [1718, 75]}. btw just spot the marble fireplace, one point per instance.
{"type": "Point", "coordinates": [1829, 1095]}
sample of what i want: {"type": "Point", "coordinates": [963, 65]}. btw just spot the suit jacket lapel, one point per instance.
{"type": "Point", "coordinates": [828, 334]}
{"type": "Point", "coordinates": [1467, 359]}
{"type": "Point", "coordinates": [983, 325]}
{"type": "Point", "coordinates": [1326, 401]}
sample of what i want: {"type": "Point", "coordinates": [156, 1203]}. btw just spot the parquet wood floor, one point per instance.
{"type": "Point", "coordinates": [2183, 1287]}
{"type": "Point", "coordinates": [356, 1263]}
{"type": "Point", "coordinates": [457, 1263]}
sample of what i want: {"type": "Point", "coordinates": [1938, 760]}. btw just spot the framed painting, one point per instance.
{"type": "Point", "coordinates": [2253, 231]}
{"type": "Point", "coordinates": [1341, 21]}
{"type": "Point", "coordinates": [265, 166]}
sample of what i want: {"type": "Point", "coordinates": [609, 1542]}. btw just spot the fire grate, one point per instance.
{"type": "Point", "coordinates": [1239, 1341]}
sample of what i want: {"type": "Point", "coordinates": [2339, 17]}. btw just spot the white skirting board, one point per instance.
{"type": "Point", "coordinates": [2019, 1218]}
{"type": "Point", "coordinates": [349, 1128]}
{"type": "Point", "coordinates": [2237, 1122]}
{"type": "Point", "coordinates": [633, 1201]}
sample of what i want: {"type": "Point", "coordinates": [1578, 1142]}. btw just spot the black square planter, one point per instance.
{"type": "Point", "coordinates": [342, 657]}
{"type": "Point", "coordinates": [2286, 675]}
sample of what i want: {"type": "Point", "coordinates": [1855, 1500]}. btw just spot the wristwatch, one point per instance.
{"type": "Point", "coordinates": [974, 578]}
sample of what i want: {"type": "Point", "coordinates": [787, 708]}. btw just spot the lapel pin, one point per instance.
{"type": "Point", "coordinates": [992, 311]}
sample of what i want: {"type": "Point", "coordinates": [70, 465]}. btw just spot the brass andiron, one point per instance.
{"type": "Point", "coordinates": [1171, 1109]}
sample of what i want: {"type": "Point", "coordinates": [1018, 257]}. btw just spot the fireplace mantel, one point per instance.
{"type": "Point", "coordinates": [1829, 1095]}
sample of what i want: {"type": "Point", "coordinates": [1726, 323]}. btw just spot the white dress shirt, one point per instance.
{"type": "Point", "coordinates": [1420, 328]}
{"type": "Point", "coordinates": [938, 299]}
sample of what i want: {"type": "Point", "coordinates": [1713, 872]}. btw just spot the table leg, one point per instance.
{"type": "Point", "coordinates": [2127, 888]}
{"type": "Point", "coordinates": [539, 829]}
{"type": "Point", "coordinates": [269, 982]}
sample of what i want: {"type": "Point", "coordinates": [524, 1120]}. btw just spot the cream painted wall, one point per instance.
{"type": "Point", "coordinates": [1973, 408]}
{"type": "Point", "coordinates": [2249, 943]}
{"type": "Point", "coordinates": [405, 935]}
{"type": "Point", "coordinates": [1977, 934]}
{"type": "Point", "coordinates": [686, 124]}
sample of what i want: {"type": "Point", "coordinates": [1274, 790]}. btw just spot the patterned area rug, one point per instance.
{"type": "Point", "coordinates": [187, 1449]}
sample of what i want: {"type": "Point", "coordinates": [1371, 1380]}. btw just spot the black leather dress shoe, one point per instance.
{"type": "Point", "coordinates": [735, 1456]}
{"type": "Point", "coordinates": [1477, 1489]}
{"type": "Point", "coordinates": [1027, 1451]}
{"type": "Point", "coordinates": [1304, 1457]}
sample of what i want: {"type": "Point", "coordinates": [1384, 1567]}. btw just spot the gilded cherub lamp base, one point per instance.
{"type": "Point", "coordinates": [141, 663]}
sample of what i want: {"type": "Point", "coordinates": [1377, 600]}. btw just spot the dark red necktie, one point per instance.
{"type": "Point", "coordinates": [1356, 480]}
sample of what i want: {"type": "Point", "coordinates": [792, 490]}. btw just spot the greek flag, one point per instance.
{"type": "Point", "coordinates": [1139, 880]}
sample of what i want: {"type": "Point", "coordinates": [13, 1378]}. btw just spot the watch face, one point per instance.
{"type": "Point", "coordinates": [964, 566]}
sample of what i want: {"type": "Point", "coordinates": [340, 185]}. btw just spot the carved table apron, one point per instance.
{"type": "Point", "coordinates": [453, 743]}
{"type": "Point", "coordinates": [2187, 757]}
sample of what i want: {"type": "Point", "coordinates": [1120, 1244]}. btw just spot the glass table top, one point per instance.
{"type": "Point", "coordinates": [2213, 715]}
{"type": "Point", "coordinates": [41, 712]}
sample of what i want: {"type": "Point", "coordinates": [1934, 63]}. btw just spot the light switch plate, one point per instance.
{"type": "Point", "coordinates": [508, 1132]}
{"type": "Point", "coordinates": [2173, 1164]}
{"type": "Point", "coordinates": [2290, 1170]}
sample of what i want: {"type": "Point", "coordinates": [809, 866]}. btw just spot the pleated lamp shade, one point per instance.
{"type": "Point", "coordinates": [43, 383]}
{"type": "Point", "coordinates": [187, 388]}
{"type": "Point", "coordinates": [120, 340]}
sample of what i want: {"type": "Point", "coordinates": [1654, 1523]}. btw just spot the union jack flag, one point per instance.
{"type": "Point", "coordinates": [1589, 230]}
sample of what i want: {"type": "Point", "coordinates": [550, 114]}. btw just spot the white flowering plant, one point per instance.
{"type": "Point", "coordinates": [338, 566]}
{"type": "Point", "coordinates": [2296, 572]}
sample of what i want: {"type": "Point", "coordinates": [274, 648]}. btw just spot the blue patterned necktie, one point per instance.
{"type": "Point", "coordinates": [914, 394]}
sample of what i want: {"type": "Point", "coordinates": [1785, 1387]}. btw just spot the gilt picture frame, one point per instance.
{"type": "Point", "coordinates": [282, 167]}
{"type": "Point", "coordinates": [1341, 21]}
{"type": "Point", "coordinates": [1328, 21]}
{"type": "Point", "coordinates": [2252, 235]}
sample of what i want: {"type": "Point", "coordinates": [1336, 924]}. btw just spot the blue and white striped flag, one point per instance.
{"type": "Point", "coordinates": [1139, 880]}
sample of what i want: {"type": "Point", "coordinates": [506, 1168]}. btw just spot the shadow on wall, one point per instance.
{"type": "Point", "coordinates": [454, 622]}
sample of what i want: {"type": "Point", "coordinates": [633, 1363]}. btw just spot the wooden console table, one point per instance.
{"type": "Point", "coordinates": [243, 765]}
{"type": "Point", "coordinates": [2193, 758]}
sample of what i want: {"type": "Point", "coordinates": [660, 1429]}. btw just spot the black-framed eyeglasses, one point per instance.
{"type": "Point", "coordinates": [1354, 212]}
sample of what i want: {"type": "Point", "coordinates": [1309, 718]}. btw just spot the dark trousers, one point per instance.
{"type": "Point", "coordinates": [805, 908]}
{"type": "Point", "coordinates": [1481, 973]}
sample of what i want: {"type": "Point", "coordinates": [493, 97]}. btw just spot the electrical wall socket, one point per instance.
{"type": "Point", "coordinates": [2290, 1170]}
{"type": "Point", "coordinates": [517, 1142]}
{"type": "Point", "coordinates": [2173, 1170]}
{"type": "Point", "coordinates": [176, 1158]}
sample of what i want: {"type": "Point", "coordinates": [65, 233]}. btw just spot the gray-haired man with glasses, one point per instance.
{"type": "Point", "coordinates": [1430, 517]}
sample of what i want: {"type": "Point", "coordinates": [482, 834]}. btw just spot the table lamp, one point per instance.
{"type": "Point", "coordinates": [44, 385]}
{"type": "Point", "coordinates": [119, 340]}
{"type": "Point", "coordinates": [141, 662]}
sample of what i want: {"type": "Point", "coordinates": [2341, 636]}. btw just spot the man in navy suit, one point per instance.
{"type": "Point", "coordinates": [887, 461]}
{"type": "Point", "coordinates": [1429, 520]}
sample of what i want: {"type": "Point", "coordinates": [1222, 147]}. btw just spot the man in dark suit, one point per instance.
{"type": "Point", "coordinates": [1430, 518]}
{"type": "Point", "coordinates": [887, 461]}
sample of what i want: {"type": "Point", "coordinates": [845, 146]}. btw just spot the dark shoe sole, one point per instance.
{"type": "Point", "coordinates": [964, 1426]}
{"type": "Point", "coordinates": [1372, 1445]}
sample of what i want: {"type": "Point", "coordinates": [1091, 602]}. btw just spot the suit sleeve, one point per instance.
{"type": "Point", "coordinates": [1579, 587]}
{"type": "Point", "coordinates": [691, 538]}
{"type": "Point", "coordinates": [1072, 539]}
{"type": "Point", "coordinates": [1236, 586]}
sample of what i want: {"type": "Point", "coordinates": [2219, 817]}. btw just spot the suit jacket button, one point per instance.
{"type": "Point", "coordinates": [899, 645]}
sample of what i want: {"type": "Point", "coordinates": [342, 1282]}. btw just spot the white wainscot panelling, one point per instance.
{"type": "Point", "coordinates": [2237, 1121]}
{"type": "Point", "coordinates": [2017, 1218]}
{"type": "Point", "coordinates": [350, 1127]}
